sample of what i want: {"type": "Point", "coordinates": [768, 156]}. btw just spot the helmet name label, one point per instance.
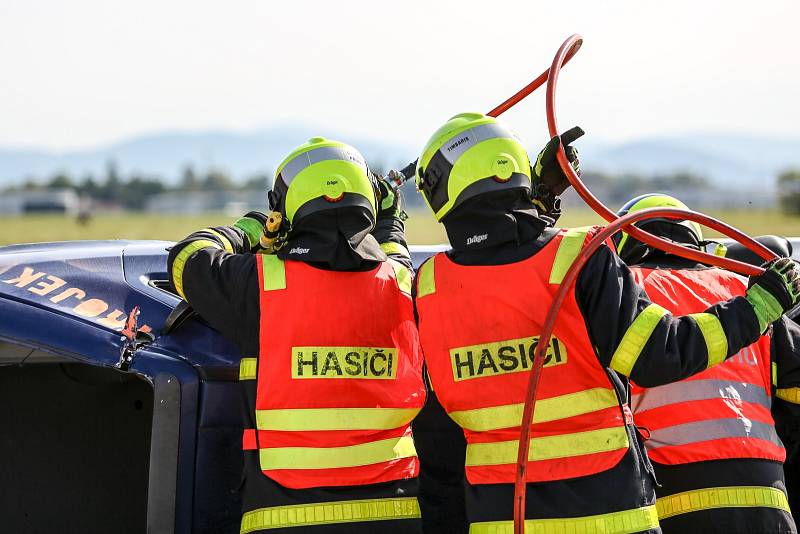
{"type": "Point", "coordinates": [344, 362]}
{"type": "Point", "coordinates": [502, 357]}
{"type": "Point", "coordinates": [461, 140]}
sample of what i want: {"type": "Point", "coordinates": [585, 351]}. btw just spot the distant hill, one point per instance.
{"type": "Point", "coordinates": [739, 162]}
{"type": "Point", "coordinates": [166, 154]}
{"type": "Point", "coordinates": [729, 161]}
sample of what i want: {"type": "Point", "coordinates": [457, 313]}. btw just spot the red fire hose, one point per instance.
{"type": "Point", "coordinates": [535, 84]}
{"type": "Point", "coordinates": [564, 53]}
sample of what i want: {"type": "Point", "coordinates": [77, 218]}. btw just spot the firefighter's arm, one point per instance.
{"type": "Point", "coordinates": [212, 271]}
{"type": "Point", "coordinates": [786, 383]}
{"type": "Point", "coordinates": [389, 227]}
{"type": "Point", "coordinates": [645, 342]}
{"type": "Point", "coordinates": [786, 362]}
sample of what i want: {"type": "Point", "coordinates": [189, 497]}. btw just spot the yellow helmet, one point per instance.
{"type": "Point", "coordinates": [685, 232]}
{"type": "Point", "coordinates": [470, 155]}
{"type": "Point", "coordinates": [322, 174]}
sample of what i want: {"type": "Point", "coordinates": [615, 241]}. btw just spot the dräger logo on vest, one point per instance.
{"type": "Point", "coordinates": [344, 362]}
{"type": "Point", "coordinates": [502, 357]}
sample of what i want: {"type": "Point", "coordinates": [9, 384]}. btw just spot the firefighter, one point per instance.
{"type": "Point", "coordinates": [712, 438]}
{"type": "Point", "coordinates": [480, 310]}
{"type": "Point", "coordinates": [331, 367]}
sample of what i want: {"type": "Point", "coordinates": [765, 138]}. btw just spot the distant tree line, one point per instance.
{"type": "Point", "coordinates": [133, 190]}
{"type": "Point", "coordinates": [789, 191]}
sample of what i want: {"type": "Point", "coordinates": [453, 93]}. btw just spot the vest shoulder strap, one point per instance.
{"type": "Point", "coordinates": [569, 248]}
{"type": "Point", "coordinates": [403, 276]}
{"type": "Point", "coordinates": [426, 279]}
{"type": "Point", "coordinates": [274, 272]}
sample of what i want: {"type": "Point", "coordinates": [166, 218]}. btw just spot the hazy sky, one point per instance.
{"type": "Point", "coordinates": [83, 73]}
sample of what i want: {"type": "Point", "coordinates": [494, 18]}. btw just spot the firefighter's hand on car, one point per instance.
{"type": "Point", "coordinates": [776, 291]}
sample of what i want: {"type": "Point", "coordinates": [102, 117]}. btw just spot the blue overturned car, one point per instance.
{"type": "Point", "coordinates": [120, 410]}
{"type": "Point", "coordinates": [109, 432]}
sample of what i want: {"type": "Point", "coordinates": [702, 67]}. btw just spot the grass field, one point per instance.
{"type": "Point", "coordinates": [421, 228]}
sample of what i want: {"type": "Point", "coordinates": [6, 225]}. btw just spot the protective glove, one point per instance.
{"type": "Point", "coordinates": [252, 224]}
{"type": "Point", "coordinates": [775, 292]}
{"type": "Point", "coordinates": [549, 180]}
{"type": "Point", "coordinates": [390, 203]}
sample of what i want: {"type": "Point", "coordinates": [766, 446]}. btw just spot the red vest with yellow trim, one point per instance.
{"type": "Point", "coordinates": [479, 327]}
{"type": "Point", "coordinates": [339, 376]}
{"type": "Point", "coordinates": [723, 412]}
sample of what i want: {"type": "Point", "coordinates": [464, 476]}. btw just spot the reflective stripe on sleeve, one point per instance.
{"type": "Point", "coordinates": [274, 272]}
{"type": "Point", "coordinates": [636, 338]}
{"type": "Point", "coordinates": [789, 394]}
{"type": "Point", "coordinates": [636, 520]}
{"type": "Point", "coordinates": [226, 243]}
{"type": "Point", "coordinates": [774, 368]}
{"type": "Point", "coordinates": [183, 255]}
{"type": "Point", "coordinates": [308, 419]}
{"type": "Point", "coordinates": [403, 276]}
{"type": "Point", "coordinates": [716, 342]}
{"type": "Point", "coordinates": [326, 513]}
{"type": "Point", "coordinates": [725, 497]}
{"type": "Point", "coordinates": [247, 368]}
{"type": "Point", "coordinates": [426, 281]}
{"type": "Point", "coordinates": [697, 390]}
{"type": "Point", "coordinates": [390, 247]}
{"type": "Point", "coordinates": [551, 409]}
{"type": "Point", "coordinates": [333, 457]}
{"type": "Point", "coordinates": [569, 248]}
{"type": "Point", "coordinates": [712, 429]}
{"type": "Point", "coordinates": [549, 447]}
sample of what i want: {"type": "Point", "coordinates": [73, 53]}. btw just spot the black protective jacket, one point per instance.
{"type": "Point", "coordinates": [223, 288]}
{"type": "Point", "coordinates": [673, 479]}
{"type": "Point", "coordinates": [610, 301]}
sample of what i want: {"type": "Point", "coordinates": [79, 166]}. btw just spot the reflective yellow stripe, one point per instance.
{"type": "Point", "coordinates": [391, 247]}
{"type": "Point", "coordinates": [326, 513]}
{"type": "Point", "coordinates": [561, 407]}
{"type": "Point", "coordinates": [183, 255]}
{"type": "Point", "coordinates": [636, 520]}
{"type": "Point", "coordinates": [247, 368]}
{"type": "Point", "coordinates": [334, 418]}
{"type": "Point", "coordinates": [274, 272]}
{"type": "Point", "coordinates": [725, 497]}
{"type": "Point", "coordinates": [426, 282]}
{"type": "Point", "coordinates": [716, 342]}
{"type": "Point", "coordinates": [569, 248]}
{"type": "Point", "coordinates": [403, 276]}
{"type": "Point", "coordinates": [789, 394]}
{"type": "Point", "coordinates": [332, 457]}
{"type": "Point", "coordinates": [774, 374]}
{"type": "Point", "coordinates": [225, 241]}
{"type": "Point", "coordinates": [635, 339]}
{"type": "Point", "coordinates": [547, 448]}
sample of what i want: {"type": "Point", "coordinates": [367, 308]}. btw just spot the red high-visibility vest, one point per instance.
{"type": "Point", "coordinates": [339, 375]}
{"type": "Point", "coordinates": [479, 326]}
{"type": "Point", "coordinates": [723, 412]}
